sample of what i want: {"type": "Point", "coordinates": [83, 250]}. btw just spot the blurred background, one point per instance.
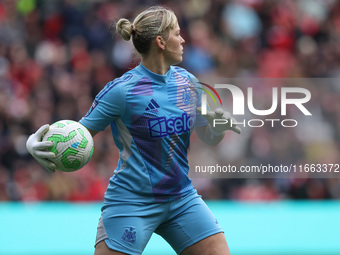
{"type": "Point", "coordinates": [56, 55]}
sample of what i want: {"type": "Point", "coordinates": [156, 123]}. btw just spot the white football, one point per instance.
{"type": "Point", "coordinates": [73, 145]}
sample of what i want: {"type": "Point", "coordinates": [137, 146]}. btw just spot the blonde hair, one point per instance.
{"type": "Point", "coordinates": [147, 26]}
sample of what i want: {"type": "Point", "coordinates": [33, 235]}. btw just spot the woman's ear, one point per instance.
{"type": "Point", "coordinates": [160, 42]}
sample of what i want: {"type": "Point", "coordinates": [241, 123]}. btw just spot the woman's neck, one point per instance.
{"type": "Point", "coordinates": [156, 65]}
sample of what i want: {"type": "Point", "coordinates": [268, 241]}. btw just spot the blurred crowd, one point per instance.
{"type": "Point", "coordinates": [56, 55]}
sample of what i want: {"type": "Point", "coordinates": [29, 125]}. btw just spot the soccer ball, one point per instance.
{"type": "Point", "coordinates": [73, 145]}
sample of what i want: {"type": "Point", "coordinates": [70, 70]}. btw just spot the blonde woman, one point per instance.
{"type": "Point", "coordinates": [152, 111]}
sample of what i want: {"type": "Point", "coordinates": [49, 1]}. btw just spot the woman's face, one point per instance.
{"type": "Point", "coordinates": [174, 47]}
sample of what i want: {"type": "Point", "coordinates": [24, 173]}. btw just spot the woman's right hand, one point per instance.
{"type": "Point", "coordinates": [39, 150]}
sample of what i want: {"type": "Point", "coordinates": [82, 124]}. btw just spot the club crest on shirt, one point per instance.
{"type": "Point", "coordinates": [129, 235]}
{"type": "Point", "coordinates": [186, 97]}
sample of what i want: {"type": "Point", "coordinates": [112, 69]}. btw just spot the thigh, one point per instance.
{"type": "Point", "coordinates": [102, 249]}
{"type": "Point", "coordinates": [215, 244]}
{"type": "Point", "coordinates": [190, 221]}
{"type": "Point", "coordinates": [127, 229]}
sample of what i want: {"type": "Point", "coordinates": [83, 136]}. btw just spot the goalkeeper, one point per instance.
{"type": "Point", "coordinates": [152, 110]}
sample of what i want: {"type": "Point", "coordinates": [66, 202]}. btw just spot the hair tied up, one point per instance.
{"type": "Point", "coordinates": [149, 24]}
{"type": "Point", "coordinates": [124, 29]}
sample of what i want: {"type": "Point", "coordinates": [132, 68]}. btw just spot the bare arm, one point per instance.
{"type": "Point", "coordinates": [93, 132]}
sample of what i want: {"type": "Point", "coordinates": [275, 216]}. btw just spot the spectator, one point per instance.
{"type": "Point", "coordinates": [56, 53]}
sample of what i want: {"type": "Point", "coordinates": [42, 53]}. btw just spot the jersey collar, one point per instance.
{"type": "Point", "coordinates": [162, 79]}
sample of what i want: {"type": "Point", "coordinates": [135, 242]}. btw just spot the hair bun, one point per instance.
{"type": "Point", "coordinates": [124, 29]}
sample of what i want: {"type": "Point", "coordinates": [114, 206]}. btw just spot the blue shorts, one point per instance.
{"type": "Point", "coordinates": [127, 227]}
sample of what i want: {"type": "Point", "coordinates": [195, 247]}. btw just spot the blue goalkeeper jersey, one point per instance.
{"type": "Point", "coordinates": [151, 118]}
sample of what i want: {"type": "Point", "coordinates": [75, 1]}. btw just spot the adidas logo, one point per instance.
{"type": "Point", "coordinates": [152, 105]}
